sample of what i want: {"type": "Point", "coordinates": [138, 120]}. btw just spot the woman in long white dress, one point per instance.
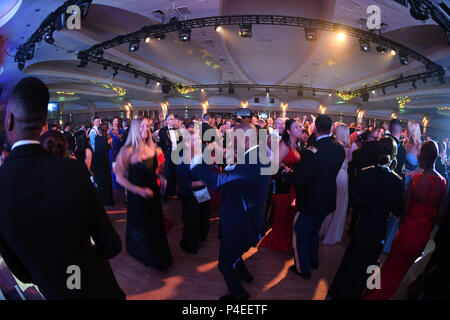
{"type": "Point", "coordinates": [333, 226]}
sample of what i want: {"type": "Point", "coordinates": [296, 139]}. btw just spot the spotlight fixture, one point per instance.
{"type": "Point", "coordinates": [230, 90]}
{"type": "Point", "coordinates": [403, 59]}
{"type": "Point", "coordinates": [134, 46]}
{"type": "Point", "coordinates": [83, 63]}
{"type": "Point", "coordinates": [414, 85]}
{"type": "Point", "coordinates": [272, 100]}
{"type": "Point", "coordinates": [115, 72]}
{"type": "Point", "coordinates": [383, 90]}
{"type": "Point", "coordinates": [218, 28]}
{"type": "Point", "coordinates": [381, 49]}
{"type": "Point", "coordinates": [136, 75]}
{"type": "Point", "coordinates": [365, 96]}
{"type": "Point", "coordinates": [30, 53]}
{"type": "Point", "coordinates": [310, 34]}
{"type": "Point", "coordinates": [314, 93]}
{"type": "Point", "coordinates": [165, 88]}
{"type": "Point", "coordinates": [441, 79]}
{"type": "Point", "coordinates": [329, 94]}
{"type": "Point", "coordinates": [373, 91]}
{"type": "Point", "coordinates": [395, 85]}
{"type": "Point", "coordinates": [184, 34]}
{"type": "Point", "coordinates": [105, 66]}
{"type": "Point", "coordinates": [159, 36]}
{"type": "Point", "coordinates": [341, 36]}
{"type": "Point", "coordinates": [393, 52]}
{"type": "Point", "coordinates": [21, 65]}
{"type": "Point", "coordinates": [49, 38]}
{"type": "Point", "coordinates": [364, 45]}
{"type": "Point", "coordinates": [424, 80]}
{"type": "Point", "coordinates": [147, 40]}
{"type": "Point", "coordinates": [256, 100]}
{"type": "Point", "coordinates": [267, 90]}
{"type": "Point", "coordinates": [245, 30]}
{"type": "Point", "coordinates": [220, 90]}
{"type": "Point", "coordinates": [147, 80]}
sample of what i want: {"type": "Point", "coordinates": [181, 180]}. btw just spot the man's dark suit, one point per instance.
{"type": "Point", "coordinates": [169, 168]}
{"type": "Point", "coordinates": [315, 181]}
{"type": "Point", "coordinates": [49, 209]}
{"type": "Point", "coordinates": [242, 218]}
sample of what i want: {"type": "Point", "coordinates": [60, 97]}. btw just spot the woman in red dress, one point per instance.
{"type": "Point", "coordinates": [283, 200]}
{"type": "Point", "coordinates": [425, 195]}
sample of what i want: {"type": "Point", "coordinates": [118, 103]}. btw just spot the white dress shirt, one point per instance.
{"type": "Point", "coordinates": [24, 142]}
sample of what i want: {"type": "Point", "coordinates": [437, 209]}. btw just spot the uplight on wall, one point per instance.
{"type": "Point", "coordinates": [164, 109]}
{"type": "Point", "coordinates": [205, 106]}
{"type": "Point", "coordinates": [284, 108]}
{"type": "Point", "coordinates": [322, 109]}
{"type": "Point", "coordinates": [359, 118]}
{"type": "Point", "coordinates": [425, 124]}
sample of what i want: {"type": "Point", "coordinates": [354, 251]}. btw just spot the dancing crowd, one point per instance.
{"type": "Point", "coordinates": [385, 187]}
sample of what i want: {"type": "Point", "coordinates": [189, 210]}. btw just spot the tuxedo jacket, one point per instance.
{"type": "Point", "coordinates": [49, 210]}
{"type": "Point", "coordinates": [315, 177]}
{"type": "Point", "coordinates": [244, 191]}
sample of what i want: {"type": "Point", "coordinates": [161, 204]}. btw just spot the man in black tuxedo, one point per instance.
{"type": "Point", "coordinates": [242, 219]}
{"type": "Point", "coordinates": [315, 182]}
{"type": "Point", "coordinates": [46, 229]}
{"type": "Point", "coordinates": [168, 140]}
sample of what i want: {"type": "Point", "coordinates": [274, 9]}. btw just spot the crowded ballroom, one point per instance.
{"type": "Point", "coordinates": [225, 150]}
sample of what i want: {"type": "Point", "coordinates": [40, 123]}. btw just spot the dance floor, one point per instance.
{"type": "Point", "coordinates": [197, 276]}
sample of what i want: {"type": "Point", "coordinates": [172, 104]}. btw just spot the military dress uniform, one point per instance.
{"type": "Point", "coordinates": [315, 182]}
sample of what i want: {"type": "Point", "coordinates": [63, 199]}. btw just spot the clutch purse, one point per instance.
{"type": "Point", "coordinates": [201, 195]}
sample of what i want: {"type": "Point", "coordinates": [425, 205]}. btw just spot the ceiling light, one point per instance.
{"type": "Point", "coordinates": [184, 34]}
{"type": "Point", "coordinates": [403, 59]}
{"type": "Point", "coordinates": [341, 36]}
{"type": "Point", "coordinates": [310, 34]}
{"type": "Point", "coordinates": [245, 30]}
{"type": "Point", "coordinates": [134, 46]}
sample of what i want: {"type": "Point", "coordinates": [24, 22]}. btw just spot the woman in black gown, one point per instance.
{"type": "Point", "coordinates": [136, 170]}
{"type": "Point", "coordinates": [101, 166]}
{"type": "Point", "coordinates": [379, 191]}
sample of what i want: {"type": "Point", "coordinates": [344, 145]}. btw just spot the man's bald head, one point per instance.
{"type": "Point", "coordinates": [28, 104]}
